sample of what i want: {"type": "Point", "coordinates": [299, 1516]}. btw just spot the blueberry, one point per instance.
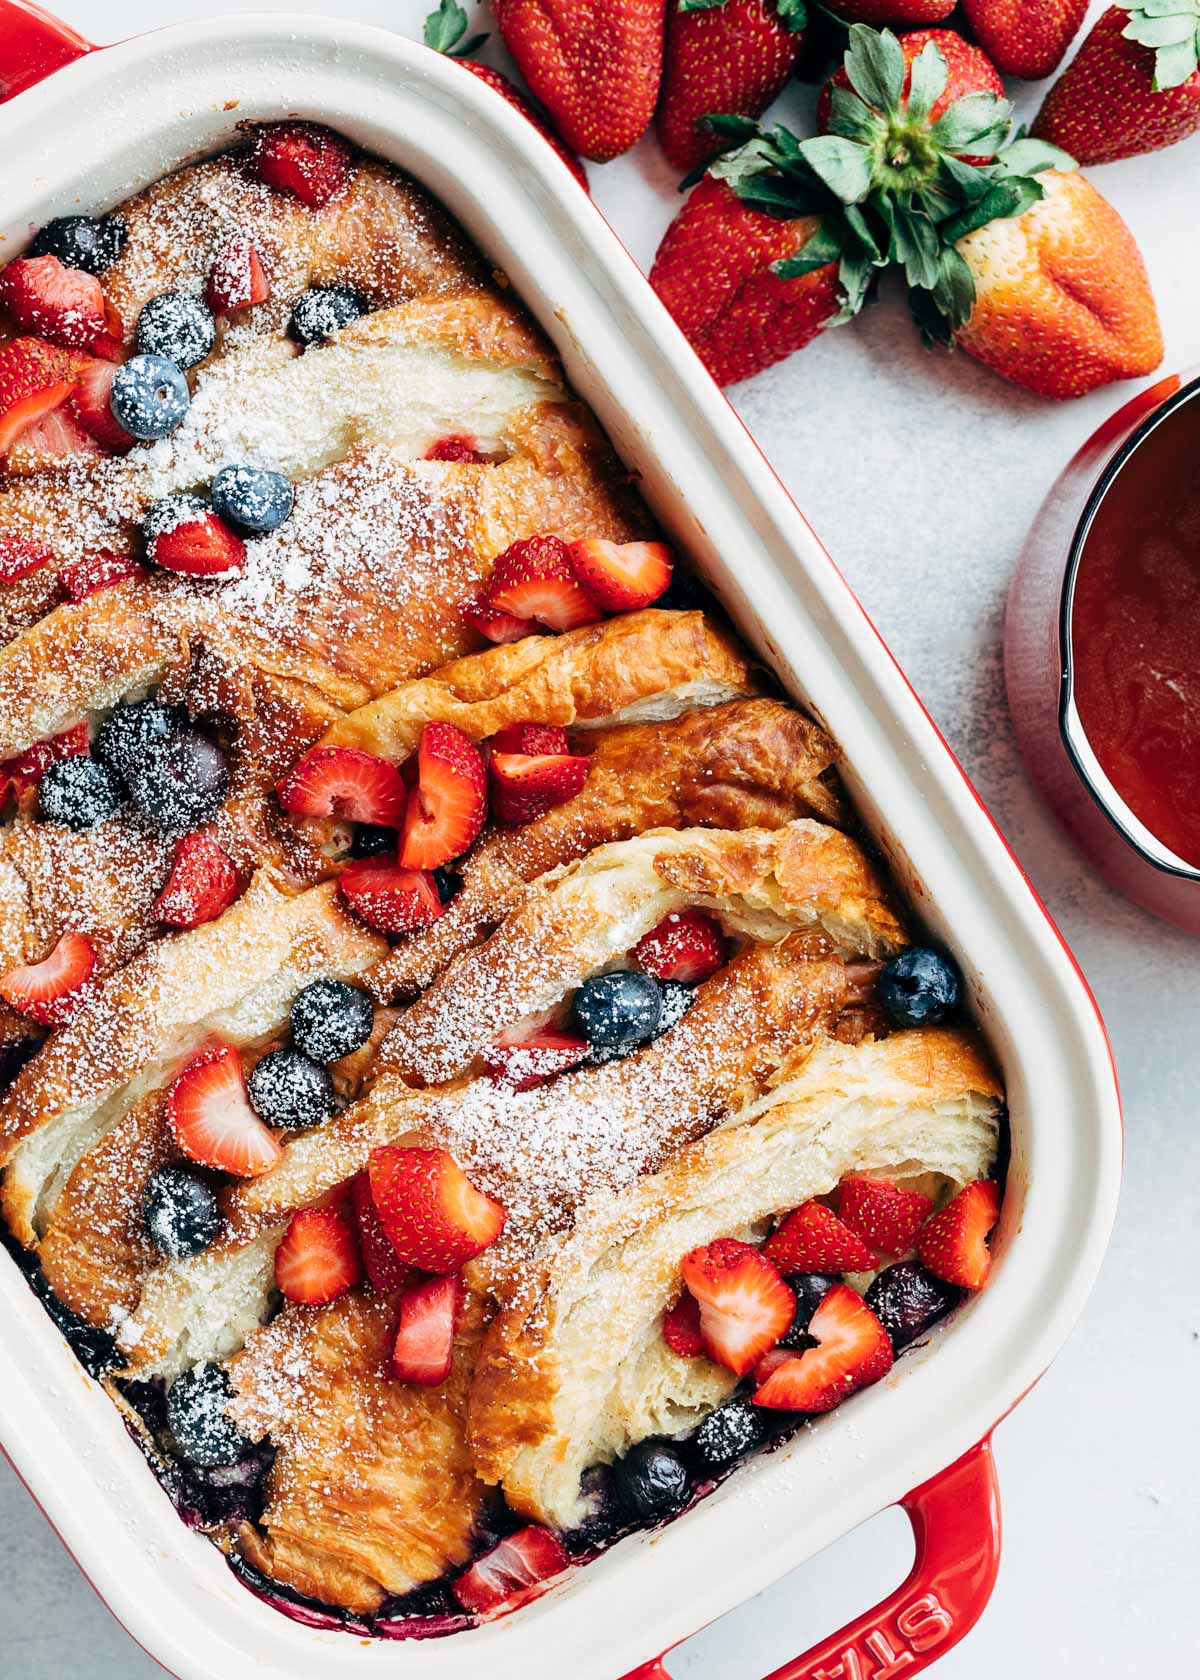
{"type": "Point", "coordinates": [603, 1517]}
{"type": "Point", "coordinates": [677, 999]}
{"type": "Point", "coordinates": [651, 1480]}
{"type": "Point", "coordinates": [372, 841]}
{"type": "Point", "coordinates": [149, 396]}
{"type": "Point", "coordinates": [920, 987]}
{"type": "Point", "coordinates": [618, 1011]}
{"type": "Point", "coordinates": [810, 1289]}
{"type": "Point", "coordinates": [729, 1433]}
{"type": "Point", "coordinates": [79, 792]}
{"type": "Point", "coordinates": [180, 1213]}
{"type": "Point", "coordinates": [178, 327]}
{"type": "Point", "coordinates": [331, 1018]}
{"type": "Point", "coordinates": [287, 1088]}
{"type": "Point", "coordinates": [91, 243]}
{"type": "Point", "coordinates": [906, 1299]}
{"type": "Point", "coordinates": [252, 497]}
{"type": "Point", "coordinates": [179, 782]}
{"type": "Point", "coordinates": [128, 730]}
{"type": "Point", "coordinates": [448, 884]}
{"type": "Point", "coordinates": [197, 1419]}
{"type": "Point", "coordinates": [321, 312]}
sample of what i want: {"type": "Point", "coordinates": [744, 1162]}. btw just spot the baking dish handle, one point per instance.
{"type": "Point", "coordinates": [955, 1519]}
{"type": "Point", "coordinates": [33, 45]}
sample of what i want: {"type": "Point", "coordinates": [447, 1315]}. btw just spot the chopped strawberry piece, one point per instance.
{"type": "Point", "coordinates": [345, 782]}
{"type": "Point", "coordinates": [526, 785]}
{"type": "Point", "coordinates": [886, 1217]}
{"type": "Point", "coordinates": [63, 305]}
{"type": "Point", "coordinates": [523, 1059]}
{"type": "Point", "coordinates": [237, 277]}
{"type": "Point", "coordinates": [534, 579]}
{"type": "Point", "coordinates": [318, 1259]}
{"type": "Point", "coordinates": [436, 1218]}
{"type": "Point", "coordinates": [88, 403]}
{"type": "Point", "coordinates": [202, 884]}
{"type": "Point", "coordinates": [49, 992]}
{"type": "Point", "coordinates": [35, 379]}
{"type": "Point", "coordinates": [83, 577]}
{"type": "Point", "coordinates": [852, 1350]}
{"type": "Point", "coordinates": [813, 1239]}
{"type": "Point", "coordinates": [686, 945]}
{"type": "Point", "coordinates": [681, 1327]}
{"type": "Point", "coordinates": [621, 577]}
{"type": "Point", "coordinates": [423, 1351]}
{"type": "Point", "coordinates": [953, 1244]}
{"type": "Point", "coordinates": [299, 158]}
{"type": "Point", "coordinates": [55, 437]}
{"type": "Point", "coordinates": [447, 807]}
{"type": "Point", "coordinates": [745, 1306]}
{"type": "Point", "coordinates": [109, 345]}
{"type": "Point", "coordinates": [21, 555]}
{"type": "Point", "coordinates": [211, 1118]}
{"type": "Point", "coordinates": [535, 739]}
{"type": "Point", "coordinates": [459, 446]}
{"type": "Point", "coordinates": [389, 897]}
{"type": "Point", "coordinates": [496, 626]}
{"type": "Point", "coordinates": [199, 546]}
{"type": "Point", "coordinates": [27, 769]}
{"type": "Point", "coordinates": [386, 1272]}
{"type": "Point", "coordinates": [512, 1572]}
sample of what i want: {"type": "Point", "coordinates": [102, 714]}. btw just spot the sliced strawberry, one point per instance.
{"type": "Point", "coordinates": [852, 1350]}
{"type": "Point", "coordinates": [436, 1218]}
{"type": "Point", "coordinates": [299, 158]}
{"type": "Point", "coordinates": [35, 379]}
{"type": "Point", "coordinates": [953, 1244]}
{"type": "Point", "coordinates": [423, 1351]}
{"type": "Point", "coordinates": [813, 1239]}
{"type": "Point", "coordinates": [681, 1327]}
{"type": "Point", "coordinates": [458, 446]}
{"type": "Point", "coordinates": [88, 403]}
{"type": "Point", "coordinates": [886, 1217]}
{"type": "Point", "coordinates": [535, 739]}
{"type": "Point", "coordinates": [511, 1572]}
{"type": "Point", "coordinates": [523, 1059]}
{"type": "Point", "coordinates": [525, 785]}
{"type": "Point", "coordinates": [318, 1259]}
{"type": "Point", "coordinates": [110, 344]}
{"type": "Point", "coordinates": [49, 992]}
{"type": "Point", "coordinates": [202, 884]}
{"type": "Point", "coordinates": [621, 577]}
{"type": "Point", "coordinates": [495, 625]}
{"type": "Point", "coordinates": [83, 577]}
{"type": "Point", "coordinates": [199, 546]}
{"type": "Point", "coordinates": [27, 769]}
{"type": "Point", "coordinates": [345, 782]}
{"type": "Point", "coordinates": [686, 945]}
{"type": "Point", "coordinates": [21, 555]}
{"type": "Point", "coordinates": [389, 897]}
{"type": "Point", "coordinates": [447, 807]}
{"type": "Point", "coordinates": [534, 579]}
{"type": "Point", "coordinates": [237, 277]}
{"type": "Point", "coordinates": [211, 1118]}
{"type": "Point", "coordinates": [386, 1272]}
{"type": "Point", "coordinates": [745, 1306]}
{"type": "Point", "coordinates": [63, 305]}
{"type": "Point", "coordinates": [53, 437]}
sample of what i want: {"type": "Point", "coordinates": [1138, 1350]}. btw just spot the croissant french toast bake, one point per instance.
{"type": "Point", "coordinates": [468, 1080]}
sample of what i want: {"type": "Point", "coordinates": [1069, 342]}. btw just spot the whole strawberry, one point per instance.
{"type": "Point", "coordinates": [594, 64]}
{"type": "Point", "coordinates": [1132, 87]}
{"type": "Point", "coordinates": [723, 55]}
{"type": "Point", "coordinates": [446, 32]}
{"type": "Point", "coordinates": [1025, 38]}
{"type": "Point", "coordinates": [905, 13]}
{"type": "Point", "coordinates": [968, 70]}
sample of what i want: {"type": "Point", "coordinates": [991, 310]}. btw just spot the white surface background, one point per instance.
{"type": "Point", "coordinates": [921, 474]}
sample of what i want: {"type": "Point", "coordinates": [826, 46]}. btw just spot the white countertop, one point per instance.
{"type": "Point", "coordinates": [921, 474]}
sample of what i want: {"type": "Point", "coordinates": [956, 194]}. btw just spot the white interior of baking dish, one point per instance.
{"type": "Point", "coordinates": [115, 121]}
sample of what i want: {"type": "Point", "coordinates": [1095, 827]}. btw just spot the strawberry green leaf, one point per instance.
{"type": "Point", "coordinates": [927, 82]}
{"type": "Point", "coordinates": [855, 273]}
{"type": "Point", "coordinates": [843, 165]}
{"type": "Point", "coordinates": [1171, 30]}
{"type": "Point", "coordinates": [953, 288]}
{"type": "Point", "coordinates": [934, 327]}
{"type": "Point", "coordinates": [915, 245]}
{"type": "Point", "coordinates": [445, 28]}
{"type": "Point", "coordinates": [700, 5]}
{"type": "Point", "coordinates": [850, 117]}
{"type": "Point", "coordinates": [978, 123]}
{"type": "Point", "coordinates": [1011, 196]}
{"type": "Point", "coordinates": [792, 14]}
{"type": "Point", "coordinates": [823, 248]}
{"type": "Point", "coordinates": [875, 65]}
{"type": "Point", "coordinates": [1031, 157]}
{"type": "Point", "coordinates": [965, 183]}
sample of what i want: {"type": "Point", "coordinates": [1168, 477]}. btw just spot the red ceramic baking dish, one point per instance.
{"type": "Point", "coordinates": [88, 127]}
